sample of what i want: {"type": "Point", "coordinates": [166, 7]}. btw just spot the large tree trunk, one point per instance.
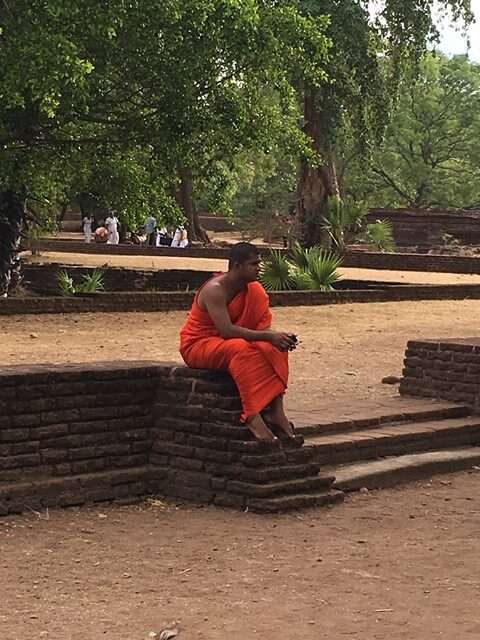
{"type": "Point", "coordinates": [316, 183]}
{"type": "Point", "coordinates": [12, 213]}
{"type": "Point", "coordinates": [186, 201]}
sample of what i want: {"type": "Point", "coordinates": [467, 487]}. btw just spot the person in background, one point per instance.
{"type": "Point", "coordinates": [101, 234]}
{"type": "Point", "coordinates": [87, 228]}
{"type": "Point", "coordinates": [150, 230]}
{"type": "Point", "coordinates": [112, 223]}
{"type": "Point", "coordinates": [180, 238]}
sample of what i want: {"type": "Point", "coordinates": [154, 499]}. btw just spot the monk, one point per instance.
{"type": "Point", "coordinates": [228, 328]}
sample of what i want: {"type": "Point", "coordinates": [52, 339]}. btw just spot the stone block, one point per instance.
{"type": "Point", "coordinates": [216, 456]}
{"type": "Point", "coordinates": [14, 435]}
{"type": "Point", "coordinates": [190, 464]}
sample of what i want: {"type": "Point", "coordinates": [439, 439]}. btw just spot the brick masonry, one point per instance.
{"type": "Point", "coordinates": [79, 434]}
{"type": "Point", "coordinates": [411, 262]}
{"type": "Point", "coordinates": [428, 226]}
{"type": "Point", "coordinates": [42, 278]}
{"type": "Point", "coordinates": [443, 369]}
{"type": "Point", "coordinates": [181, 300]}
{"type": "Point", "coordinates": [353, 258]}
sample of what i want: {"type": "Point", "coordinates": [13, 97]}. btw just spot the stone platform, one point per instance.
{"type": "Point", "coordinates": [77, 434]}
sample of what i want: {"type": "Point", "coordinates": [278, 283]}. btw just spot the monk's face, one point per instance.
{"type": "Point", "coordinates": [250, 269]}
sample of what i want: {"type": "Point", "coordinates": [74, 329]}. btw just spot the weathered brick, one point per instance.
{"type": "Point", "coordinates": [158, 459]}
{"type": "Point", "coordinates": [218, 484]}
{"type": "Point", "coordinates": [216, 456]}
{"type": "Point", "coordinates": [170, 424]}
{"type": "Point", "coordinates": [219, 444]}
{"type": "Point", "coordinates": [230, 500]}
{"type": "Point", "coordinates": [228, 417]}
{"type": "Point", "coordinates": [191, 478]}
{"type": "Point", "coordinates": [211, 429]}
{"type": "Point", "coordinates": [14, 435]}
{"type": "Point", "coordinates": [190, 464]}
{"type": "Point", "coordinates": [28, 446]}
{"type": "Point", "coordinates": [26, 420]}
{"type": "Point", "coordinates": [169, 448]}
{"type": "Point", "coordinates": [88, 466]}
{"type": "Point", "coordinates": [136, 460]}
{"type": "Point", "coordinates": [52, 456]}
{"type": "Point", "coordinates": [50, 431]}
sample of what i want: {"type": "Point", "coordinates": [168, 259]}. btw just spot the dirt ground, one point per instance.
{"type": "Point", "coordinates": [344, 353]}
{"type": "Point", "coordinates": [198, 264]}
{"type": "Point", "coordinates": [390, 565]}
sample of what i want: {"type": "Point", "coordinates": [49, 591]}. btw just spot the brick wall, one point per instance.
{"type": "Point", "coordinates": [115, 431]}
{"type": "Point", "coordinates": [182, 300]}
{"type": "Point", "coordinates": [42, 278]}
{"type": "Point", "coordinates": [411, 262]}
{"type": "Point", "coordinates": [427, 227]}
{"type": "Point", "coordinates": [361, 259]}
{"type": "Point", "coordinates": [447, 370]}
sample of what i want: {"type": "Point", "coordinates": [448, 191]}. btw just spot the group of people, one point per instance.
{"type": "Point", "coordinates": [108, 232]}
{"type": "Point", "coordinates": [161, 237]}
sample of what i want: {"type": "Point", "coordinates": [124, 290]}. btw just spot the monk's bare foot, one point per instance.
{"type": "Point", "coordinates": [280, 421]}
{"type": "Point", "coordinates": [260, 430]}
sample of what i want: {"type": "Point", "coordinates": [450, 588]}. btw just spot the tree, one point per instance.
{"type": "Point", "coordinates": [430, 153]}
{"type": "Point", "coordinates": [369, 57]}
{"type": "Point", "coordinates": [183, 81]}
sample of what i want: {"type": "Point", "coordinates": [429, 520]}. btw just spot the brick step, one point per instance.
{"type": "Point", "coordinates": [389, 417]}
{"type": "Point", "coordinates": [378, 474]}
{"type": "Point", "coordinates": [394, 440]}
{"type": "Point", "coordinates": [39, 493]}
{"type": "Point", "coordinates": [283, 488]}
{"type": "Point", "coordinates": [295, 501]}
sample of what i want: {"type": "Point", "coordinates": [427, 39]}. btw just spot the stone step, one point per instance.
{"type": "Point", "coordinates": [402, 415]}
{"type": "Point", "coordinates": [285, 487]}
{"type": "Point", "coordinates": [388, 472]}
{"type": "Point", "coordinates": [295, 501]}
{"type": "Point", "coordinates": [392, 440]}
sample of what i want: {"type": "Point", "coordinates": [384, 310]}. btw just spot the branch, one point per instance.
{"type": "Point", "coordinates": [392, 184]}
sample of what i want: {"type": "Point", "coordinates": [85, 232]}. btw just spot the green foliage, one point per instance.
{"type": "Point", "coordinates": [65, 283]}
{"type": "Point", "coordinates": [322, 270]}
{"type": "Point", "coordinates": [343, 220]}
{"type": "Point", "coordinates": [276, 272]}
{"type": "Point", "coordinates": [312, 268]}
{"type": "Point", "coordinates": [380, 234]}
{"type": "Point", "coordinates": [91, 283]}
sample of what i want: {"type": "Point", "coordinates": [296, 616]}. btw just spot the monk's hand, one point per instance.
{"type": "Point", "coordinates": [283, 341]}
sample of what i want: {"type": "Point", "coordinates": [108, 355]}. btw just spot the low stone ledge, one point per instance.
{"type": "Point", "coordinates": [68, 426]}
{"type": "Point", "coordinates": [181, 301]}
{"type": "Point", "coordinates": [443, 369]}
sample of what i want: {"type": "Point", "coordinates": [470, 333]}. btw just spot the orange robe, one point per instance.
{"type": "Point", "coordinates": [259, 369]}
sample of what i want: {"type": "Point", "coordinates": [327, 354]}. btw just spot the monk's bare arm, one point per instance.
{"type": "Point", "coordinates": [215, 303]}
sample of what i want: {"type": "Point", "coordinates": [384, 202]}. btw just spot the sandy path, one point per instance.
{"type": "Point", "coordinates": [399, 564]}
{"type": "Point", "coordinates": [201, 264]}
{"type": "Point", "coordinates": [344, 353]}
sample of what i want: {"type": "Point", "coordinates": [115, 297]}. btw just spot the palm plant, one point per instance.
{"type": "Point", "coordinates": [312, 268]}
{"type": "Point", "coordinates": [65, 283]}
{"type": "Point", "coordinates": [92, 282]}
{"type": "Point", "coordinates": [342, 221]}
{"type": "Point", "coordinates": [380, 234]}
{"type": "Point", "coordinates": [275, 272]}
{"type": "Point", "coordinates": [322, 270]}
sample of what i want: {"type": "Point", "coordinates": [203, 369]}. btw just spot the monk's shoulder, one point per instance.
{"type": "Point", "coordinates": [258, 289]}
{"type": "Point", "coordinates": [213, 290]}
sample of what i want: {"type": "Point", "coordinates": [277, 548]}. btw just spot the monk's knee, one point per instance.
{"type": "Point", "coordinates": [237, 345]}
